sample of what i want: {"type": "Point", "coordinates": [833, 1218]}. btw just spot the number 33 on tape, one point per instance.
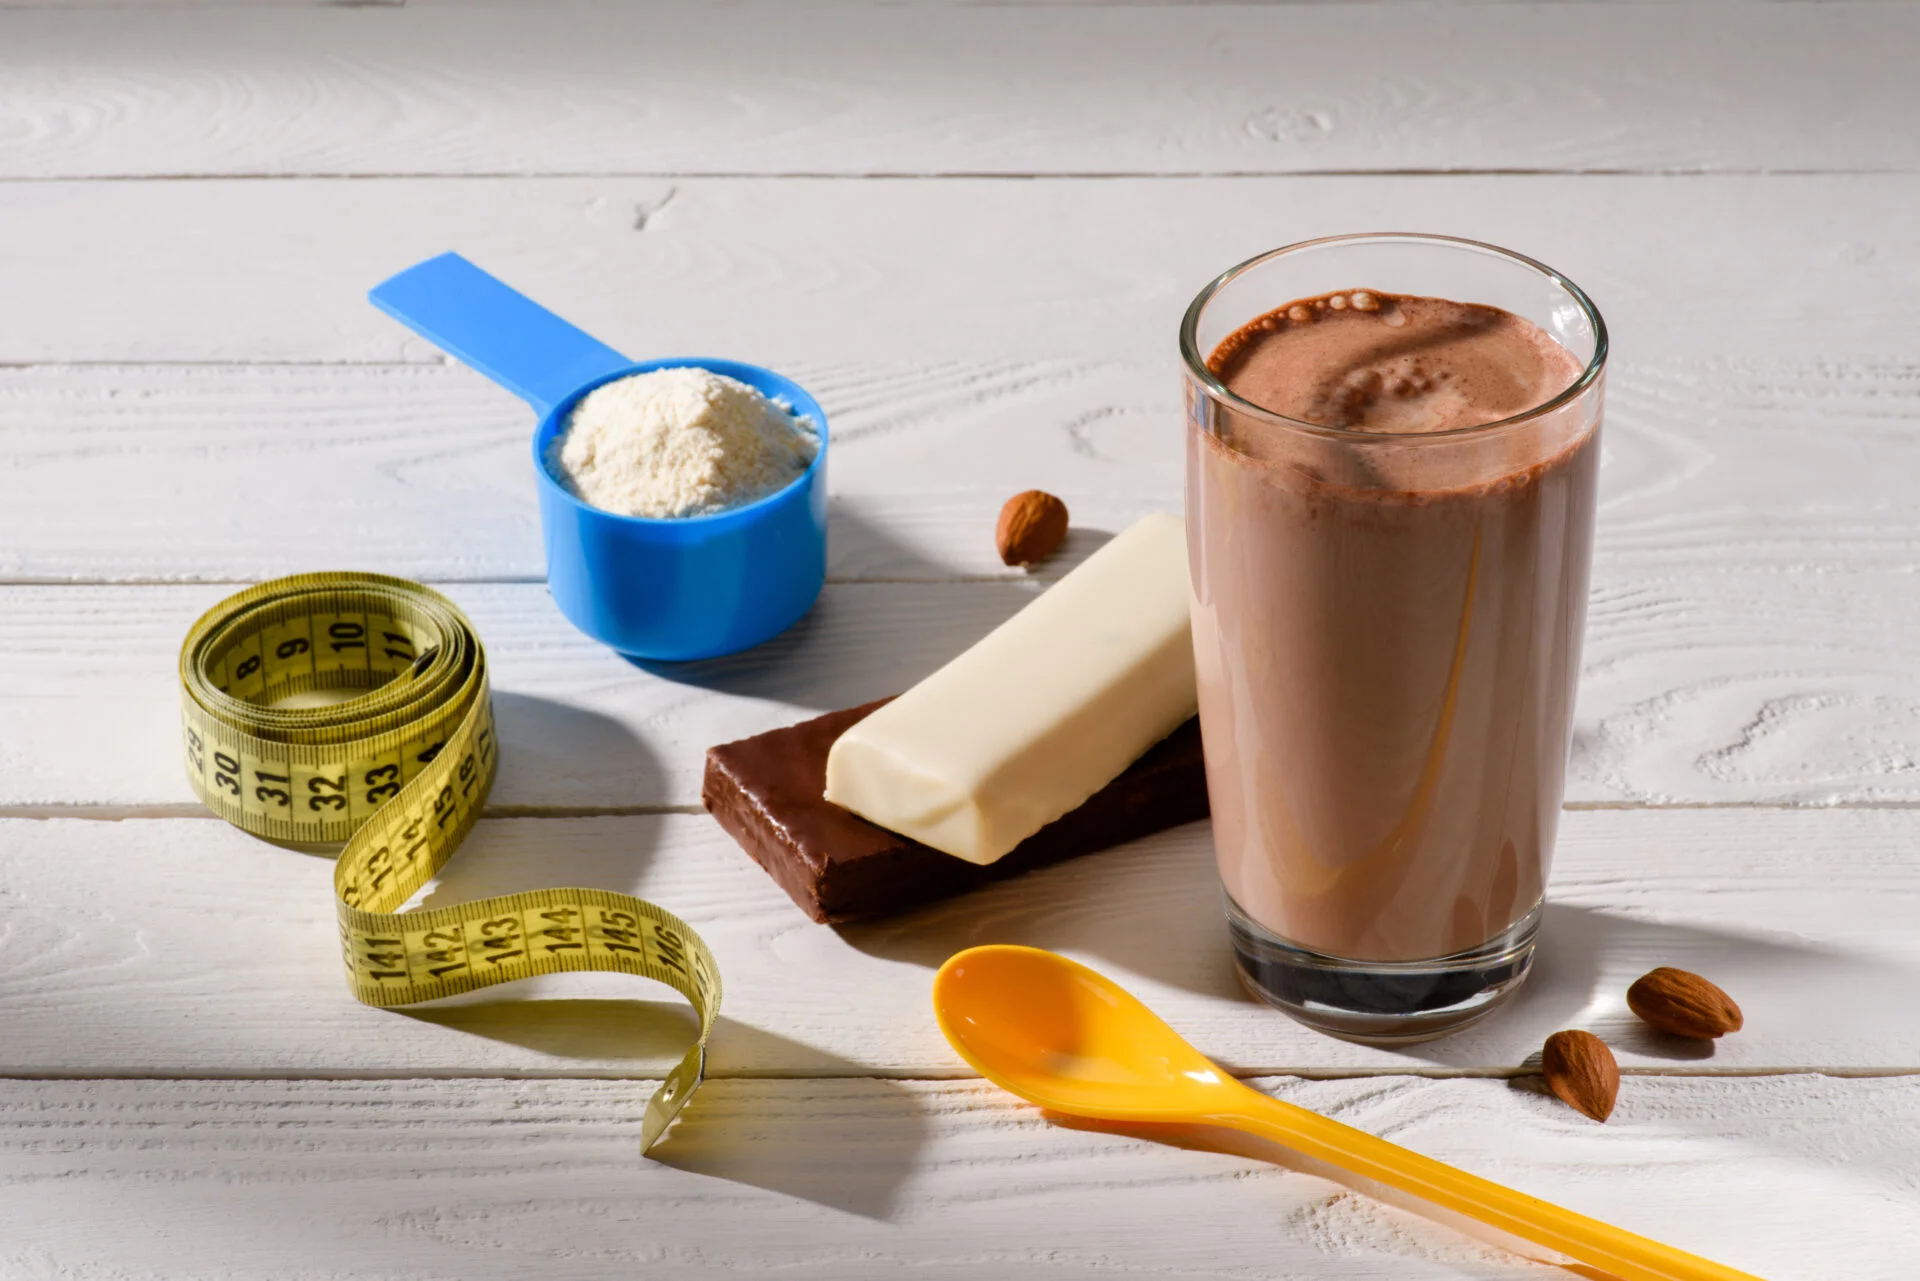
{"type": "Point", "coordinates": [397, 774]}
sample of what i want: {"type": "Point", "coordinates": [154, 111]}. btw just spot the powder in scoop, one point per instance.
{"type": "Point", "coordinates": [679, 442]}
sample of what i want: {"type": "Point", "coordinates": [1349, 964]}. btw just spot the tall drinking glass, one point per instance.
{"type": "Point", "coordinates": [1387, 633]}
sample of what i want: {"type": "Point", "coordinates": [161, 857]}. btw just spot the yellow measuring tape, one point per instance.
{"type": "Point", "coordinates": [399, 773]}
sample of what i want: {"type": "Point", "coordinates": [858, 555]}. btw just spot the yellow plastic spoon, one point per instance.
{"type": "Point", "coordinates": [1060, 1035]}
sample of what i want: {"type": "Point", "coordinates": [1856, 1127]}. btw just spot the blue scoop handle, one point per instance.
{"type": "Point", "coordinates": [497, 330]}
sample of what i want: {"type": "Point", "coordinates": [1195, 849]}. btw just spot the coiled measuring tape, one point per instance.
{"type": "Point", "coordinates": [399, 773]}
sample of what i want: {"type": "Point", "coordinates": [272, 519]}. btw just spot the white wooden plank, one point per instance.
{"type": "Point", "coordinates": [89, 705]}
{"type": "Point", "coordinates": [1732, 527]}
{"type": "Point", "coordinates": [1790, 1178]}
{"type": "Point", "coordinates": [230, 472]}
{"type": "Point", "coordinates": [1751, 636]}
{"type": "Point", "coordinates": [788, 272]}
{"type": "Point", "coordinates": [857, 90]}
{"type": "Point", "coordinates": [222, 472]}
{"type": "Point", "coordinates": [184, 947]}
{"type": "Point", "coordinates": [1713, 681]}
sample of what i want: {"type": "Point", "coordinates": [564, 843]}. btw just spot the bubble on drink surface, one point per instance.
{"type": "Point", "coordinates": [1338, 302]}
{"type": "Point", "coordinates": [1355, 395]}
{"type": "Point", "coordinates": [1364, 301]}
{"type": "Point", "coordinates": [1299, 313]}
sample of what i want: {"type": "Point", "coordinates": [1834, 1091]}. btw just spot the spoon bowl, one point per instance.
{"type": "Point", "coordinates": [1070, 1039]}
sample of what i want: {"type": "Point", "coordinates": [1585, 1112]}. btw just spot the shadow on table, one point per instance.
{"type": "Point", "coordinates": [1152, 908]}
{"type": "Point", "coordinates": [502, 856]}
{"type": "Point", "coordinates": [555, 743]}
{"type": "Point", "coordinates": [779, 1134]}
{"type": "Point", "coordinates": [1782, 982]}
{"type": "Point", "coordinates": [769, 1134]}
{"type": "Point", "coordinates": [599, 1032]}
{"type": "Point", "coordinates": [862, 639]}
{"type": "Point", "coordinates": [860, 547]}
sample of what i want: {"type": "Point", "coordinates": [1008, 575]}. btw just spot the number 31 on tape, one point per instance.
{"type": "Point", "coordinates": [397, 774]}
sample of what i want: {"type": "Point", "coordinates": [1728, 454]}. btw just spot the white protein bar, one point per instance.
{"type": "Point", "coordinates": [1043, 712]}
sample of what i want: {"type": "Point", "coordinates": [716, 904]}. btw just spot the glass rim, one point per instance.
{"type": "Point", "coordinates": [1219, 391]}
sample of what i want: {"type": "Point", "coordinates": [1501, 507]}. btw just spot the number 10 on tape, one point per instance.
{"type": "Point", "coordinates": [397, 774]}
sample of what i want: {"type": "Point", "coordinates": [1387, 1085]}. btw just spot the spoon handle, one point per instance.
{"type": "Point", "coordinates": [1601, 1245]}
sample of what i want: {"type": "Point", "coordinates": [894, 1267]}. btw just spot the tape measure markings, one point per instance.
{"type": "Point", "coordinates": [397, 775]}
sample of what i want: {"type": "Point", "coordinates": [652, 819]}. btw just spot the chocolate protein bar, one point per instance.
{"type": "Point", "coordinates": [766, 792]}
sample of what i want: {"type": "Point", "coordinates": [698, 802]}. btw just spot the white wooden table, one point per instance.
{"type": "Point", "coordinates": [971, 231]}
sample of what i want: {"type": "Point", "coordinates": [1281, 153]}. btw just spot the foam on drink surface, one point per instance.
{"type": "Point", "coordinates": [1363, 360]}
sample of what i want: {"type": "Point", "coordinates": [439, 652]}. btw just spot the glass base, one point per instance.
{"type": "Point", "coordinates": [1381, 1002]}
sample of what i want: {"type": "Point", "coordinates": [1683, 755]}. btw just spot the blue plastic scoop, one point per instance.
{"type": "Point", "coordinates": [694, 587]}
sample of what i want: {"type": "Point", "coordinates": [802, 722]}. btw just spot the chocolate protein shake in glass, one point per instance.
{"type": "Point", "coordinates": [1392, 448]}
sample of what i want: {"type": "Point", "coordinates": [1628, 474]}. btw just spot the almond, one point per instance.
{"type": "Point", "coordinates": [1580, 1069]}
{"type": "Point", "coordinates": [1031, 526]}
{"type": "Point", "coordinates": [1683, 1004]}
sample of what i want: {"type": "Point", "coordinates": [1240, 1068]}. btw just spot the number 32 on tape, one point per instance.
{"type": "Point", "coordinates": [398, 773]}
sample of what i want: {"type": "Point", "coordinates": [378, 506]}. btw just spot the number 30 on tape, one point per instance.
{"type": "Point", "coordinates": [398, 772]}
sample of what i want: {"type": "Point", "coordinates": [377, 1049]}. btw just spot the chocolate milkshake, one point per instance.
{"type": "Point", "coordinates": [1389, 595]}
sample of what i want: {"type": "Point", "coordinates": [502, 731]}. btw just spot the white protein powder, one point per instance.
{"type": "Point", "coordinates": [679, 442]}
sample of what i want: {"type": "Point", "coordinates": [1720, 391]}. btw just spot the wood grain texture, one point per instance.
{"type": "Point", "coordinates": [485, 1179]}
{"type": "Point", "coordinates": [171, 472]}
{"type": "Point", "coordinates": [1751, 628]}
{"type": "Point", "coordinates": [1715, 681]}
{"type": "Point", "coordinates": [157, 472]}
{"type": "Point", "coordinates": [184, 947]}
{"type": "Point", "coordinates": [170, 344]}
{"type": "Point", "coordinates": [826, 272]}
{"type": "Point", "coordinates": [863, 89]}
